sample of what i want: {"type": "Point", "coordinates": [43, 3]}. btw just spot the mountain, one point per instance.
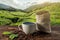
{"type": "Point", "coordinates": [43, 6]}
{"type": "Point", "coordinates": [6, 7]}
{"type": "Point", "coordinates": [36, 7]}
{"type": "Point", "coordinates": [53, 8]}
{"type": "Point", "coordinates": [10, 8]}
{"type": "Point", "coordinates": [18, 17]}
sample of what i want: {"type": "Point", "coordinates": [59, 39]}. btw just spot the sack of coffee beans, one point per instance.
{"type": "Point", "coordinates": [43, 21]}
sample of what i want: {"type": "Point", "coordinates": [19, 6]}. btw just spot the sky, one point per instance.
{"type": "Point", "coordinates": [23, 4]}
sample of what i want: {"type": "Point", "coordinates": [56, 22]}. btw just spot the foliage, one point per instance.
{"type": "Point", "coordinates": [18, 17]}
{"type": "Point", "coordinates": [53, 9]}
{"type": "Point", "coordinates": [13, 17]}
{"type": "Point", "coordinates": [11, 35]}
{"type": "Point", "coordinates": [6, 33]}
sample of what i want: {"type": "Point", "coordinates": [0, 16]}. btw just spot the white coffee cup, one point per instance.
{"type": "Point", "coordinates": [29, 27]}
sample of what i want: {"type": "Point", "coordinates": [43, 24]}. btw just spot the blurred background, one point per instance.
{"type": "Point", "coordinates": [15, 12]}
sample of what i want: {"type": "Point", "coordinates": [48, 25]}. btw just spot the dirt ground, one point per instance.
{"type": "Point", "coordinates": [55, 34]}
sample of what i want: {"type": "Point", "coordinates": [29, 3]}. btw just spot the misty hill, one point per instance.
{"type": "Point", "coordinates": [9, 8]}
{"type": "Point", "coordinates": [53, 8]}
{"type": "Point", "coordinates": [49, 6]}
{"type": "Point", "coordinates": [36, 7]}
{"type": "Point", "coordinates": [6, 7]}
{"type": "Point", "coordinates": [18, 17]}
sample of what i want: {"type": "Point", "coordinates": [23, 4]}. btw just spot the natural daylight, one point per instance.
{"type": "Point", "coordinates": [29, 19]}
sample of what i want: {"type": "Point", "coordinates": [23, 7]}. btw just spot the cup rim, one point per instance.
{"type": "Point", "coordinates": [28, 23]}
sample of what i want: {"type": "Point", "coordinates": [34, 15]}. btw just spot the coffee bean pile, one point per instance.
{"type": "Point", "coordinates": [22, 36]}
{"type": "Point", "coordinates": [33, 36]}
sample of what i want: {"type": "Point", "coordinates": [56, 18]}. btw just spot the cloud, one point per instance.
{"type": "Point", "coordinates": [26, 3]}
{"type": "Point", "coordinates": [23, 4]}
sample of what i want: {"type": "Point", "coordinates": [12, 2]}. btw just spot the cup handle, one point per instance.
{"type": "Point", "coordinates": [20, 27]}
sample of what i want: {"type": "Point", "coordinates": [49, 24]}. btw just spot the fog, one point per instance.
{"type": "Point", "coordinates": [23, 4]}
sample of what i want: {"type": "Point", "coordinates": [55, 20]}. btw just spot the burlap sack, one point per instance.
{"type": "Point", "coordinates": [43, 21]}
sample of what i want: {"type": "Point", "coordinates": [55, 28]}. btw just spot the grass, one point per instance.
{"type": "Point", "coordinates": [14, 17]}
{"type": "Point", "coordinates": [18, 17]}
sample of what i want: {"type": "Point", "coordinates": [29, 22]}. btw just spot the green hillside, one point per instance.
{"type": "Point", "coordinates": [14, 17]}
{"type": "Point", "coordinates": [36, 7]}
{"type": "Point", "coordinates": [53, 8]}
{"type": "Point", "coordinates": [28, 15]}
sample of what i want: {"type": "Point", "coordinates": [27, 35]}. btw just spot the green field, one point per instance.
{"type": "Point", "coordinates": [14, 17]}
{"type": "Point", "coordinates": [18, 17]}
